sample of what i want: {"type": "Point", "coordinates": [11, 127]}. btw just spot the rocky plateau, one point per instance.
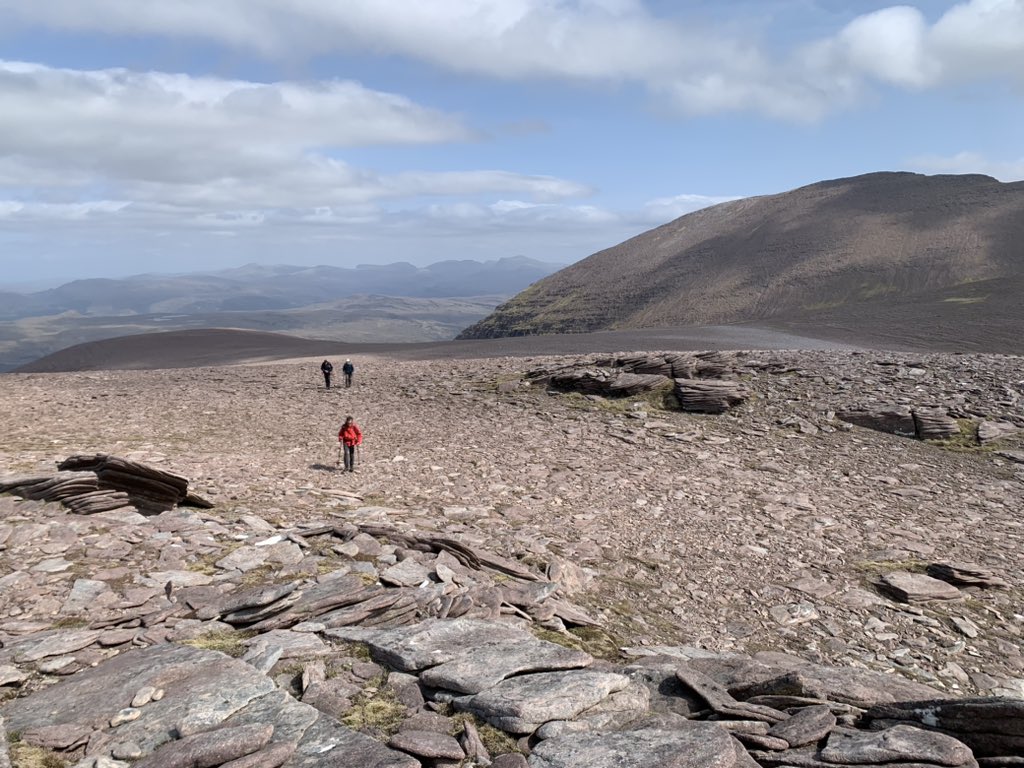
{"type": "Point", "coordinates": [728, 559]}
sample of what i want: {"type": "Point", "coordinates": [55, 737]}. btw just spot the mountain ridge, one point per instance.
{"type": "Point", "coordinates": [834, 243]}
{"type": "Point", "coordinates": [280, 286]}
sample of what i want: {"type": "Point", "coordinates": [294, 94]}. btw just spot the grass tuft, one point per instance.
{"type": "Point", "coordinates": [376, 711]}
{"type": "Point", "coordinates": [593, 640]}
{"type": "Point", "coordinates": [27, 756]}
{"type": "Point", "coordinates": [495, 740]}
{"type": "Point", "coordinates": [878, 567]}
{"type": "Point", "coordinates": [965, 442]}
{"type": "Point", "coordinates": [225, 641]}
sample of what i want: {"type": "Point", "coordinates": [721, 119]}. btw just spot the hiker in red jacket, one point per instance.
{"type": "Point", "coordinates": [350, 436]}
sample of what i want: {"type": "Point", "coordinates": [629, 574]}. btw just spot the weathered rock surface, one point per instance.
{"type": "Point", "coordinates": [899, 744]}
{"type": "Point", "coordinates": [523, 704]}
{"type": "Point", "coordinates": [761, 527]}
{"type": "Point", "coordinates": [464, 655]}
{"type": "Point", "coordinates": [87, 485]}
{"type": "Point", "coordinates": [966, 575]}
{"type": "Point", "coordinates": [917, 587]}
{"type": "Point", "coordinates": [992, 727]}
{"type": "Point", "coordinates": [698, 745]}
{"type": "Point", "coordinates": [706, 396]}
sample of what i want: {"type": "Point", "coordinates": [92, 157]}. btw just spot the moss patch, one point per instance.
{"type": "Point", "coordinates": [228, 642]}
{"type": "Point", "coordinates": [878, 567]}
{"type": "Point", "coordinates": [965, 442]}
{"type": "Point", "coordinates": [375, 712]}
{"type": "Point", "coordinates": [593, 640]}
{"type": "Point", "coordinates": [495, 741]}
{"type": "Point", "coordinates": [26, 756]}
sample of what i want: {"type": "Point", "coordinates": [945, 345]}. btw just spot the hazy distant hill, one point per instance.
{"type": "Point", "coordinates": [255, 287]}
{"type": "Point", "coordinates": [388, 303]}
{"type": "Point", "coordinates": [850, 256]}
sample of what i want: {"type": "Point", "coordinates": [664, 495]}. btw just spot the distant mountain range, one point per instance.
{"type": "Point", "coordinates": [934, 261]}
{"type": "Point", "coordinates": [368, 304]}
{"type": "Point", "coordinates": [255, 287]}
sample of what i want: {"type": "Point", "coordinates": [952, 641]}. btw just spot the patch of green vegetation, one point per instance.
{"type": "Point", "coordinates": [357, 651]}
{"type": "Point", "coordinates": [965, 442]}
{"type": "Point", "coordinates": [496, 741]}
{"type": "Point", "coordinates": [878, 567]}
{"type": "Point", "coordinates": [261, 574]}
{"type": "Point", "coordinates": [205, 566]}
{"type": "Point", "coordinates": [966, 299]}
{"type": "Point", "coordinates": [225, 641]}
{"type": "Point", "coordinates": [375, 711]}
{"type": "Point", "coordinates": [756, 646]}
{"type": "Point", "coordinates": [292, 669]}
{"type": "Point", "coordinates": [71, 622]}
{"type": "Point", "coordinates": [662, 398]}
{"type": "Point", "coordinates": [593, 640]}
{"type": "Point", "coordinates": [26, 756]}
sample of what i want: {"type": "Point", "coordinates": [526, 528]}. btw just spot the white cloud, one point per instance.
{"type": "Point", "coordinates": [664, 209]}
{"type": "Point", "coordinates": [694, 67]}
{"type": "Point", "coordinates": [889, 45]}
{"type": "Point", "coordinates": [208, 144]}
{"type": "Point", "coordinates": [969, 162]}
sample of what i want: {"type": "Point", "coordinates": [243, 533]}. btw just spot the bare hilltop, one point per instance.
{"type": "Point", "coordinates": [886, 258]}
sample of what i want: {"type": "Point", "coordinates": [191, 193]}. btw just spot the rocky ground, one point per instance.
{"type": "Point", "coordinates": [766, 528]}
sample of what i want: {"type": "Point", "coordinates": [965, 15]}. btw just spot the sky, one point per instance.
{"type": "Point", "coordinates": [193, 135]}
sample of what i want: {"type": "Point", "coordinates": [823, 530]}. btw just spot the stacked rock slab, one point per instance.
{"type": "Point", "coordinates": [708, 396]}
{"type": "Point", "coordinates": [89, 484]}
{"type": "Point", "coordinates": [702, 382]}
{"type": "Point", "coordinates": [923, 423]}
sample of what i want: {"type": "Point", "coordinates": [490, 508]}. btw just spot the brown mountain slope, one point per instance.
{"type": "Point", "coordinates": [798, 256]}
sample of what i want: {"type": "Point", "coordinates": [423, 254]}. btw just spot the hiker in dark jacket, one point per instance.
{"type": "Point", "coordinates": [350, 436]}
{"type": "Point", "coordinates": [348, 369]}
{"type": "Point", "coordinates": [327, 369]}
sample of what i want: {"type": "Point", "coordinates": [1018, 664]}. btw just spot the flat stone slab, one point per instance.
{"type": "Point", "coordinates": [429, 744]}
{"type": "Point", "coordinates": [463, 655]}
{"type": "Point", "coordinates": [698, 745]}
{"type": "Point", "coordinates": [55, 643]}
{"type": "Point", "coordinates": [523, 704]}
{"type": "Point", "coordinates": [846, 685]}
{"type": "Point", "coordinates": [991, 726]}
{"type": "Point", "coordinates": [210, 748]}
{"type": "Point", "coordinates": [203, 690]}
{"type": "Point", "coordinates": [806, 726]}
{"type": "Point", "coordinates": [916, 587]}
{"type": "Point", "coordinates": [899, 744]}
{"type": "Point", "coordinates": [407, 573]}
{"type": "Point", "coordinates": [487, 665]}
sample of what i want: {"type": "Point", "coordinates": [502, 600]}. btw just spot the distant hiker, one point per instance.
{"type": "Point", "coordinates": [350, 436]}
{"type": "Point", "coordinates": [348, 369]}
{"type": "Point", "coordinates": [327, 369]}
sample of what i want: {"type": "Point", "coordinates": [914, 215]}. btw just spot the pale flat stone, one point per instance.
{"type": "Point", "coordinates": [698, 745]}
{"type": "Point", "coordinates": [522, 704]}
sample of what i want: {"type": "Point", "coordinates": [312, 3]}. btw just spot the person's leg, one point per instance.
{"type": "Point", "coordinates": [327, 380]}
{"type": "Point", "coordinates": [349, 455]}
